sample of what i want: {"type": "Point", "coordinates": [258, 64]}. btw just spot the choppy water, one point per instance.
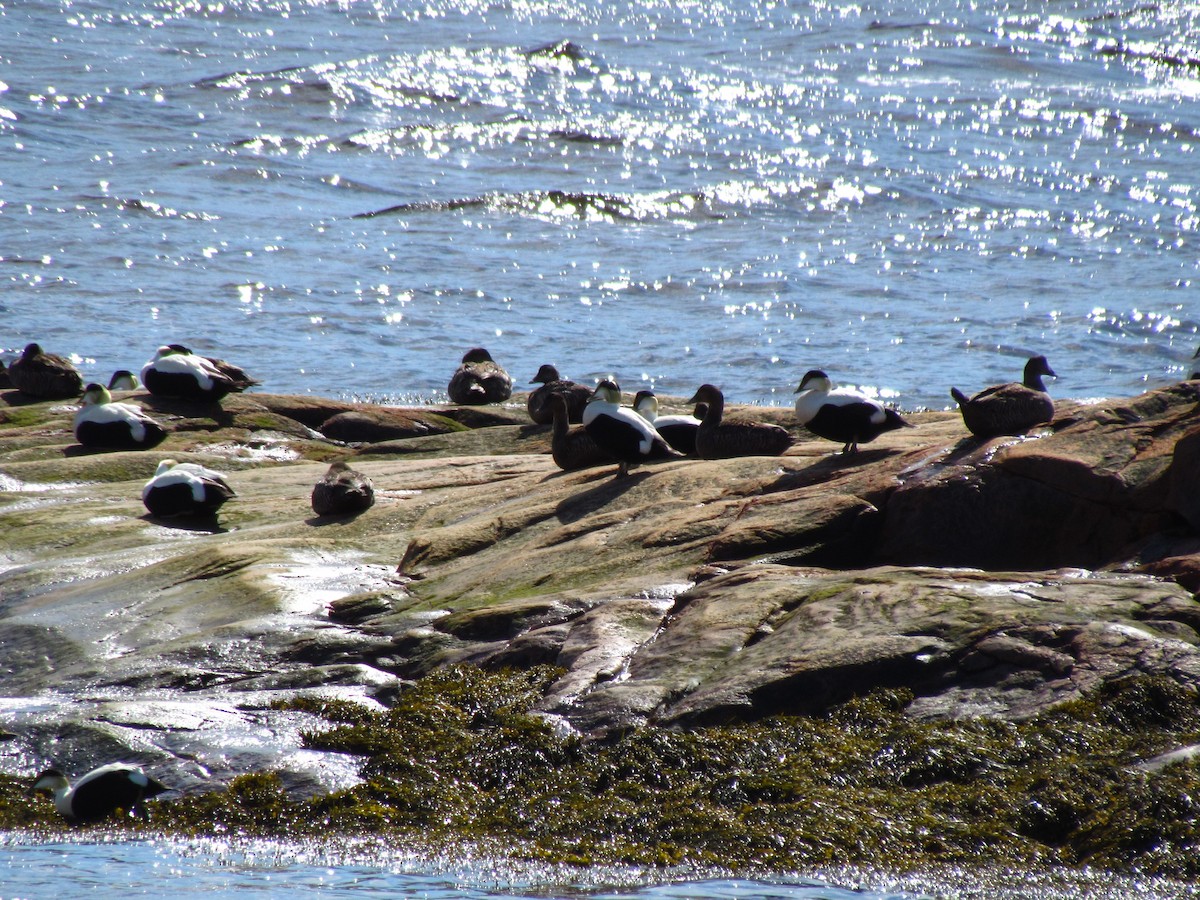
{"type": "Point", "coordinates": [344, 196]}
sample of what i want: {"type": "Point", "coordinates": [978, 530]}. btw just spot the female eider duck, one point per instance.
{"type": "Point", "coordinates": [575, 395]}
{"type": "Point", "coordinates": [717, 439]}
{"type": "Point", "coordinates": [842, 415]}
{"type": "Point", "coordinates": [178, 373]}
{"type": "Point", "coordinates": [121, 426]}
{"type": "Point", "coordinates": [342, 491]}
{"type": "Point", "coordinates": [1009, 408]}
{"type": "Point", "coordinates": [621, 432]}
{"type": "Point", "coordinates": [185, 489]}
{"type": "Point", "coordinates": [678, 430]}
{"type": "Point", "coordinates": [572, 448]}
{"type": "Point", "coordinates": [478, 380]}
{"type": "Point", "coordinates": [45, 375]}
{"type": "Point", "coordinates": [99, 793]}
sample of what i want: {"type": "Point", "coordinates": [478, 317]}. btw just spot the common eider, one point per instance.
{"type": "Point", "coordinates": [45, 375]}
{"type": "Point", "coordinates": [121, 426]}
{"type": "Point", "coordinates": [5, 381]}
{"type": "Point", "coordinates": [677, 430]}
{"type": "Point", "coordinates": [342, 491]}
{"type": "Point", "coordinates": [717, 439]}
{"type": "Point", "coordinates": [99, 793]}
{"type": "Point", "coordinates": [572, 448]}
{"type": "Point", "coordinates": [1009, 408]}
{"type": "Point", "coordinates": [575, 395]}
{"type": "Point", "coordinates": [123, 380]}
{"type": "Point", "coordinates": [842, 415]}
{"type": "Point", "coordinates": [1196, 355]}
{"type": "Point", "coordinates": [621, 432]}
{"type": "Point", "coordinates": [185, 489]}
{"type": "Point", "coordinates": [478, 380]}
{"type": "Point", "coordinates": [178, 373]}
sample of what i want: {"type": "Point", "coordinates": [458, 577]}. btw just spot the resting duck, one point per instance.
{"type": "Point", "coordinates": [717, 439]}
{"type": "Point", "coordinates": [178, 373]}
{"type": "Point", "coordinates": [679, 431]}
{"type": "Point", "coordinates": [576, 396]}
{"type": "Point", "coordinates": [572, 448]}
{"type": "Point", "coordinates": [342, 491]}
{"type": "Point", "coordinates": [842, 415]}
{"type": "Point", "coordinates": [122, 426]}
{"type": "Point", "coordinates": [185, 489]}
{"type": "Point", "coordinates": [99, 793]}
{"type": "Point", "coordinates": [621, 432]}
{"type": "Point", "coordinates": [123, 380]}
{"type": "Point", "coordinates": [1009, 408]}
{"type": "Point", "coordinates": [45, 375]}
{"type": "Point", "coordinates": [479, 379]}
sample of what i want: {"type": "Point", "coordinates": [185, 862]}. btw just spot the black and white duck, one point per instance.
{"type": "Point", "coordinates": [844, 415]}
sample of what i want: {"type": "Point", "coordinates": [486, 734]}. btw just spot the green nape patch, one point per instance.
{"type": "Point", "coordinates": [461, 760]}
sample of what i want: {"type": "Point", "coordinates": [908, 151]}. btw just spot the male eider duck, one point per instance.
{"type": "Point", "coordinates": [621, 432]}
{"type": "Point", "coordinates": [342, 491]}
{"type": "Point", "coordinates": [576, 396]}
{"type": "Point", "coordinates": [122, 426]}
{"type": "Point", "coordinates": [716, 439]}
{"type": "Point", "coordinates": [572, 448]}
{"type": "Point", "coordinates": [479, 379]}
{"type": "Point", "coordinates": [679, 430]}
{"type": "Point", "coordinates": [123, 380]}
{"type": "Point", "coordinates": [1009, 408]}
{"type": "Point", "coordinates": [99, 793]}
{"type": "Point", "coordinates": [45, 375]}
{"type": "Point", "coordinates": [178, 373]}
{"type": "Point", "coordinates": [185, 489]}
{"type": "Point", "coordinates": [842, 415]}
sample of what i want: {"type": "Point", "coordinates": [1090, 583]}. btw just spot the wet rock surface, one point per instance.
{"type": "Point", "coordinates": [991, 579]}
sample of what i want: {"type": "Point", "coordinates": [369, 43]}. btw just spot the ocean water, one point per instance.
{"type": "Point", "coordinates": [345, 195]}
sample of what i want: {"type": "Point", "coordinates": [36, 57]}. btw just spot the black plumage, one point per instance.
{"type": "Point", "coordinates": [99, 793]}
{"type": "Point", "coordinates": [176, 372]}
{"type": "Point", "coordinates": [621, 432]}
{"type": "Point", "coordinates": [101, 423]}
{"type": "Point", "coordinates": [572, 448]}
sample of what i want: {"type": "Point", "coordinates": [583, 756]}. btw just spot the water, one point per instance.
{"type": "Point", "coordinates": [909, 195]}
{"type": "Point", "coordinates": [113, 870]}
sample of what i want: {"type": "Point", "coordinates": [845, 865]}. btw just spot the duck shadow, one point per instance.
{"type": "Point", "coordinates": [577, 506]}
{"type": "Point", "coordinates": [320, 521]}
{"type": "Point", "coordinates": [204, 524]}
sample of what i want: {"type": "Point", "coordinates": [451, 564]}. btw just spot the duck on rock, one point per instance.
{"type": "Point", "coordinates": [842, 414]}
{"type": "Point", "coordinates": [185, 489]}
{"type": "Point", "coordinates": [342, 491]}
{"type": "Point", "coordinates": [101, 422]}
{"type": "Point", "coordinates": [45, 376]}
{"type": "Point", "coordinates": [718, 439]}
{"type": "Point", "coordinates": [176, 372]}
{"type": "Point", "coordinates": [621, 432]}
{"type": "Point", "coordinates": [572, 448]}
{"type": "Point", "coordinates": [575, 395]}
{"type": "Point", "coordinates": [677, 430]}
{"type": "Point", "coordinates": [99, 793]}
{"type": "Point", "coordinates": [478, 380]}
{"type": "Point", "coordinates": [1009, 409]}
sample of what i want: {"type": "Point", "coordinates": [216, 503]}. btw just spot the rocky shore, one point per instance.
{"type": "Point", "coordinates": [989, 581]}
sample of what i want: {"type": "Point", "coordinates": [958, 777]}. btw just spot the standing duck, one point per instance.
{"type": "Point", "coordinates": [185, 489]}
{"type": "Point", "coordinates": [842, 414]}
{"type": "Point", "coordinates": [576, 396]}
{"type": "Point", "coordinates": [179, 373]}
{"type": "Point", "coordinates": [572, 448]}
{"type": "Point", "coordinates": [121, 426]}
{"type": "Point", "coordinates": [99, 793]}
{"type": "Point", "coordinates": [478, 380]}
{"type": "Point", "coordinates": [717, 439]}
{"type": "Point", "coordinates": [1009, 408]}
{"type": "Point", "coordinates": [679, 431]}
{"type": "Point", "coordinates": [342, 491]}
{"type": "Point", "coordinates": [621, 432]}
{"type": "Point", "coordinates": [45, 375]}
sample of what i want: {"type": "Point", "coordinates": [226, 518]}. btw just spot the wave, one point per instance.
{"type": "Point", "coordinates": [583, 204]}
